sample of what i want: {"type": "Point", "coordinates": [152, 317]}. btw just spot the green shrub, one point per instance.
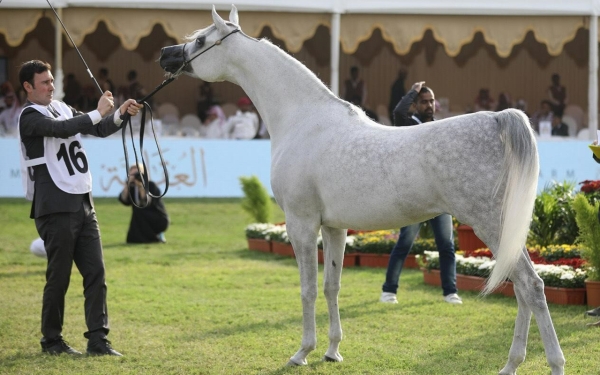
{"type": "Point", "coordinates": [553, 220]}
{"type": "Point", "coordinates": [423, 244]}
{"type": "Point", "coordinates": [589, 234]}
{"type": "Point", "coordinates": [378, 242]}
{"type": "Point", "coordinates": [256, 201]}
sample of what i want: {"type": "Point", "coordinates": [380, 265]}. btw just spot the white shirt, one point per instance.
{"type": "Point", "coordinates": [242, 125]}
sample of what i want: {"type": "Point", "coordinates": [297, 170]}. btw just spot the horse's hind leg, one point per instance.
{"type": "Point", "coordinates": [518, 349]}
{"type": "Point", "coordinates": [334, 241]}
{"type": "Point", "coordinates": [303, 236]}
{"type": "Point", "coordinates": [529, 289]}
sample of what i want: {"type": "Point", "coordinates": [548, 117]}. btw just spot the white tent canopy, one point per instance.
{"type": "Point", "coordinates": [503, 23]}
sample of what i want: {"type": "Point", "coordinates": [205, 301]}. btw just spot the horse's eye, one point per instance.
{"type": "Point", "coordinates": [200, 41]}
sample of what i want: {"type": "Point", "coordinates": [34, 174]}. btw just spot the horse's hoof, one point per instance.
{"type": "Point", "coordinates": [329, 359]}
{"type": "Point", "coordinates": [294, 364]}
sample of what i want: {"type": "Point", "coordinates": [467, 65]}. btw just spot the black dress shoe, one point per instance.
{"type": "Point", "coordinates": [102, 347]}
{"type": "Point", "coordinates": [57, 347]}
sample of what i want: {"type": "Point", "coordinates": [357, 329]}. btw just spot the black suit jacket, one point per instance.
{"type": "Point", "coordinates": [33, 127]}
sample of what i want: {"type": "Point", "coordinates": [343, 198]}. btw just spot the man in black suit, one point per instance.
{"type": "Point", "coordinates": [59, 184]}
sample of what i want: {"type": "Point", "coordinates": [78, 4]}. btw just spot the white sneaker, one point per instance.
{"type": "Point", "coordinates": [453, 298]}
{"type": "Point", "coordinates": [388, 297]}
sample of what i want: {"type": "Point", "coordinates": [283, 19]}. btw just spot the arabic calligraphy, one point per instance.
{"type": "Point", "coordinates": [182, 167]}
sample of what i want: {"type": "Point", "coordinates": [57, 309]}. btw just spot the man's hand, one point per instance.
{"type": "Point", "coordinates": [106, 103]}
{"type": "Point", "coordinates": [417, 86]}
{"type": "Point", "coordinates": [130, 106]}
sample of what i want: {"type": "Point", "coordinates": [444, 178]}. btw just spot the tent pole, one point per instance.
{"type": "Point", "coordinates": [58, 51]}
{"type": "Point", "coordinates": [593, 78]}
{"type": "Point", "coordinates": [335, 52]}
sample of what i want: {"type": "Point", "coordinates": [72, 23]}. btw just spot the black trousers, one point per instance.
{"type": "Point", "coordinates": [73, 237]}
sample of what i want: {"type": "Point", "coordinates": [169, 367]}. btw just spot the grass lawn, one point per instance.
{"type": "Point", "coordinates": [203, 304]}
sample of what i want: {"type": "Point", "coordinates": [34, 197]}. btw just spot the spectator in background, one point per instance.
{"type": "Point", "coordinates": [558, 95]}
{"type": "Point", "coordinates": [355, 87]}
{"type": "Point", "coordinates": [9, 118]}
{"type": "Point", "coordinates": [205, 100]}
{"type": "Point", "coordinates": [559, 128]}
{"type": "Point", "coordinates": [213, 126]}
{"type": "Point", "coordinates": [244, 124]}
{"type": "Point", "coordinates": [105, 83]}
{"type": "Point", "coordinates": [89, 99]}
{"type": "Point", "coordinates": [398, 91]}
{"type": "Point", "coordinates": [5, 88]}
{"type": "Point", "coordinates": [73, 91]}
{"type": "Point", "coordinates": [504, 102]}
{"type": "Point", "coordinates": [136, 90]}
{"type": "Point", "coordinates": [483, 101]}
{"type": "Point", "coordinates": [543, 114]}
{"type": "Point", "coordinates": [149, 219]}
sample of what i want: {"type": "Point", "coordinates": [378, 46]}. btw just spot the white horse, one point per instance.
{"type": "Point", "coordinates": [332, 168]}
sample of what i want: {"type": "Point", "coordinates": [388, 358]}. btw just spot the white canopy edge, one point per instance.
{"type": "Point", "coordinates": [462, 7]}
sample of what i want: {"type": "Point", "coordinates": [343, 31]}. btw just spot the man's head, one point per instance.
{"type": "Point", "coordinates": [103, 72]}
{"type": "Point", "coordinates": [132, 75]}
{"type": "Point", "coordinates": [354, 72]}
{"type": "Point", "coordinates": [244, 104]}
{"type": "Point", "coordinates": [37, 80]}
{"type": "Point", "coordinates": [425, 104]}
{"type": "Point", "coordinates": [555, 79]}
{"type": "Point", "coordinates": [546, 106]}
{"type": "Point", "coordinates": [9, 99]}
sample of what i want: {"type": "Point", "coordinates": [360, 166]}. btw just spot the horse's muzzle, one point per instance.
{"type": "Point", "coordinates": [172, 58]}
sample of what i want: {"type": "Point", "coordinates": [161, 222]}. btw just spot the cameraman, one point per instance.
{"type": "Point", "coordinates": [148, 223]}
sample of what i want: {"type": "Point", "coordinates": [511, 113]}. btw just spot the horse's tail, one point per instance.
{"type": "Point", "coordinates": [519, 177]}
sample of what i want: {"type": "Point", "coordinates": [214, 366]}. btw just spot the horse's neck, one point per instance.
{"type": "Point", "coordinates": [281, 88]}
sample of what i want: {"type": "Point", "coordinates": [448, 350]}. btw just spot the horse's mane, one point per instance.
{"type": "Point", "coordinates": [301, 69]}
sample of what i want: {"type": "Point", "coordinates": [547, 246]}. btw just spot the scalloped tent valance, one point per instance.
{"type": "Point", "coordinates": [452, 31]}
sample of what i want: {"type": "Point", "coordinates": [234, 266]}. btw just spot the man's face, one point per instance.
{"type": "Point", "coordinates": [425, 106]}
{"type": "Point", "coordinates": [42, 89]}
{"type": "Point", "coordinates": [9, 100]}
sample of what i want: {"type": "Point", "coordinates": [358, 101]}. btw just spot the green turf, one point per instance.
{"type": "Point", "coordinates": [203, 304]}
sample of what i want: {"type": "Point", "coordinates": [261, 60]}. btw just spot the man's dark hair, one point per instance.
{"type": "Point", "coordinates": [104, 71]}
{"type": "Point", "coordinates": [131, 75]}
{"type": "Point", "coordinates": [354, 69]}
{"type": "Point", "coordinates": [30, 68]}
{"type": "Point", "coordinates": [424, 89]}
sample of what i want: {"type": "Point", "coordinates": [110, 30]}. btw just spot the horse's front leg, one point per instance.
{"type": "Point", "coordinates": [304, 240]}
{"type": "Point", "coordinates": [334, 243]}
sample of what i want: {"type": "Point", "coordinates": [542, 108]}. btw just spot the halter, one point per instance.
{"type": "Point", "coordinates": [127, 120]}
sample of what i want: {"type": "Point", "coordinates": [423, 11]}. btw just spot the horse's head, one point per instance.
{"type": "Point", "coordinates": [190, 57]}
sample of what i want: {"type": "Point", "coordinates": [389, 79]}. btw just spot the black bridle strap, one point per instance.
{"type": "Point", "coordinates": [127, 121]}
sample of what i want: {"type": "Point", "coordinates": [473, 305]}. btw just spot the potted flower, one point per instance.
{"type": "Point", "coordinates": [256, 235]}
{"type": "Point", "coordinates": [280, 242]}
{"type": "Point", "coordinates": [374, 248]}
{"type": "Point", "coordinates": [587, 217]}
{"type": "Point", "coordinates": [563, 284]}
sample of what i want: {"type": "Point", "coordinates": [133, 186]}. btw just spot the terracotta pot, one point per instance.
{"type": "Point", "coordinates": [506, 289]}
{"type": "Point", "coordinates": [282, 248]}
{"type": "Point", "coordinates": [349, 259]}
{"type": "Point", "coordinates": [373, 260]}
{"type": "Point", "coordinates": [467, 240]}
{"type": "Point", "coordinates": [593, 293]}
{"type": "Point", "coordinates": [473, 283]}
{"type": "Point", "coordinates": [432, 277]}
{"type": "Point", "coordinates": [410, 262]}
{"type": "Point", "coordinates": [565, 296]}
{"type": "Point", "coordinates": [259, 244]}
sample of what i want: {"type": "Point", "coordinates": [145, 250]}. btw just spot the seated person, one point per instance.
{"type": "Point", "coordinates": [483, 101]}
{"type": "Point", "coordinates": [543, 114]}
{"type": "Point", "coordinates": [244, 124]}
{"type": "Point", "coordinates": [213, 126]}
{"type": "Point", "coordinates": [559, 128]}
{"type": "Point", "coordinates": [148, 223]}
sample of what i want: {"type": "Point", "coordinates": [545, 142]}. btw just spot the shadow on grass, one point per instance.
{"type": "Point", "coordinates": [17, 274]}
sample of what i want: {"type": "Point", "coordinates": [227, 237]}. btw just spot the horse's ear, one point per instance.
{"type": "Point", "coordinates": [219, 23]}
{"type": "Point", "coordinates": [233, 15]}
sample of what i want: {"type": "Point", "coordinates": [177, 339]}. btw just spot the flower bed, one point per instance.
{"type": "Point", "coordinates": [558, 266]}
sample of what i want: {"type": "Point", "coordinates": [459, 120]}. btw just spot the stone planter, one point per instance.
{"type": "Point", "coordinates": [259, 244]}
{"type": "Point", "coordinates": [467, 240]}
{"type": "Point", "coordinates": [373, 260]}
{"type": "Point", "coordinates": [281, 248]}
{"type": "Point", "coordinates": [592, 289]}
{"type": "Point", "coordinates": [565, 296]}
{"type": "Point", "coordinates": [432, 277]}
